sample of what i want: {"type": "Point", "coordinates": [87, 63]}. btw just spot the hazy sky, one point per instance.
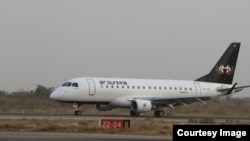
{"type": "Point", "coordinates": [50, 41]}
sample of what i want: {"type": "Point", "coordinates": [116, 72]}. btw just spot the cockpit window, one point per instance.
{"type": "Point", "coordinates": [75, 85]}
{"type": "Point", "coordinates": [67, 84]}
{"type": "Point", "coordinates": [70, 84]}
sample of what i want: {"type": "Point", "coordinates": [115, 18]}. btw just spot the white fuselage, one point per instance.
{"type": "Point", "coordinates": [119, 92]}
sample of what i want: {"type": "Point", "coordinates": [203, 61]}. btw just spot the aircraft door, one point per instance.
{"type": "Point", "coordinates": [197, 88]}
{"type": "Point", "coordinates": [92, 88]}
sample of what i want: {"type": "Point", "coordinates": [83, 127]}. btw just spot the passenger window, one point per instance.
{"type": "Point", "coordinates": [155, 87]}
{"type": "Point", "coordinates": [138, 87]}
{"type": "Point", "coordinates": [143, 87]}
{"type": "Point", "coordinates": [128, 87]}
{"type": "Point", "coordinates": [160, 88]}
{"type": "Point", "coordinates": [107, 86]}
{"type": "Point", "coordinates": [165, 88]}
{"type": "Point", "coordinates": [149, 87]}
{"type": "Point", "coordinates": [75, 85]}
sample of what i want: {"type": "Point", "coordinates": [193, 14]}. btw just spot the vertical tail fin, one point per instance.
{"type": "Point", "coordinates": [223, 71]}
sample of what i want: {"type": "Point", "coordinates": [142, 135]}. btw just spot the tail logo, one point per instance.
{"type": "Point", "coordinates": [222, 70]}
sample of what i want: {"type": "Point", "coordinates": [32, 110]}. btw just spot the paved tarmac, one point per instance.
{"type": "Point", "coordinates": [95, 117]}
{"type": "Point", "coordinates": [28, 136]}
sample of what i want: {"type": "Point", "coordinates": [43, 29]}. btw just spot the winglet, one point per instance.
{"type": "Point", "coordinates": [230, 90]}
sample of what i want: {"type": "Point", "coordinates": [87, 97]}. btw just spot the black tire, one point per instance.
{"type": "Point", "coordinates": [159, 113]}
{"type": "Point", "coordinates": [134, 114]}
{"type": "Point", "coordinates": [78, 113]}
{"type": "Point", "coordinates": [156, 113]}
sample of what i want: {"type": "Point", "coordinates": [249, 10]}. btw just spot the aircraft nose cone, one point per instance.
{"type": "Point", "coordinates": [55, 95]}
{"type": "Point", "coordinates": [52, 96]}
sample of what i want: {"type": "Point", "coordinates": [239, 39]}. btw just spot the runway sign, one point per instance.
{"type": "Point", "coordinates": [114, 123]}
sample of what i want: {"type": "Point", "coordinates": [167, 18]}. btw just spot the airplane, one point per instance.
{"type": "Point", "coordinates": [144, 95]}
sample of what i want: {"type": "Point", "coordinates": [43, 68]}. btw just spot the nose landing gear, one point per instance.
{"type": "Point", "coordinates": [77, 111]}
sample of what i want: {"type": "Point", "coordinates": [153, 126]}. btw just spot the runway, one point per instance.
{"type": "Point", "coordinates": [95, 117]}
{"type": "Point", "coordinates": [73, 117]}
{"type": "Point", "coordinates": [27, 136]}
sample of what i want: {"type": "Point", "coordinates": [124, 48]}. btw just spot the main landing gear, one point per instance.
{"type": "Point", "coordinates": [134, 114]}
{"type": "Point", "coordinates": [77, 111]}
{"type": "Point", "coordinates": [159, 113]}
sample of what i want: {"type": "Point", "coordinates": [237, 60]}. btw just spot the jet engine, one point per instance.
{"type": "Point", "coordinates": [141, 105]}
{"type": "Point", "coordinates": [104, 107]}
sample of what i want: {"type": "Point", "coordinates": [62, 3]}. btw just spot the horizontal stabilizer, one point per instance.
{"type": "Point", "coordinates": [228, 91]}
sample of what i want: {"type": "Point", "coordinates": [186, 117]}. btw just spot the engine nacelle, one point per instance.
{"type": "Point", "coordinates": [104, 107]}
{"type": "Point", "coordinates": [141, 105]}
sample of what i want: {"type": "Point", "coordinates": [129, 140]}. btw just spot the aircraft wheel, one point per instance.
{"type": "Point", "coordinates": [159, 113]}
{"type": "Point", "coordinates": [78, 113]}
{"type": "Point", "coordinates": [156, 113]}
{"type": "Point", "coordinates": [134, 114]}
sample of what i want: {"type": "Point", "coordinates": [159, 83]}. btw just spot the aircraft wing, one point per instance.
{"type": "Point", "coordinates": [179, 101]}
{"type": "Point", "coordinates": [171, 102]}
